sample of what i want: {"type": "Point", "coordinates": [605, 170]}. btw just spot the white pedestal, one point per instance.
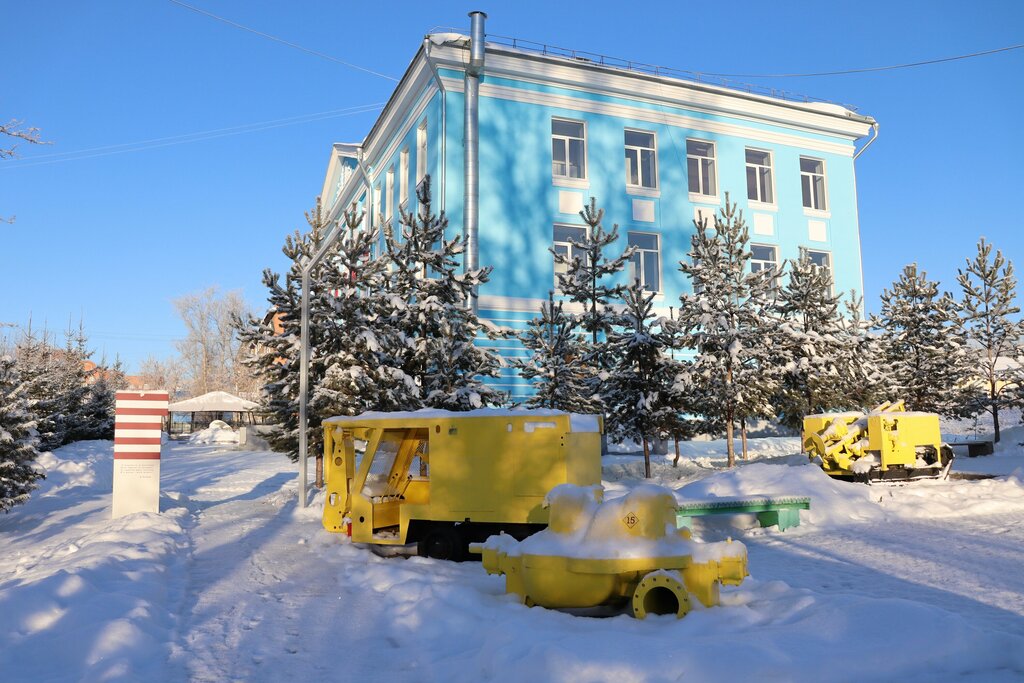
{"type": "Point", "coordinates": [136, 486]}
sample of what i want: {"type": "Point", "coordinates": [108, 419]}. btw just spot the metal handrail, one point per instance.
{"type": "Point", "coordinates": [644, 68]}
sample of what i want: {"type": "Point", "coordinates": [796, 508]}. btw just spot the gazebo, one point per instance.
{"type": "Point", "coordinates": [216, 405]}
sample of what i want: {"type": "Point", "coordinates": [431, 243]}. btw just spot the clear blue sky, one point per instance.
{"type": "Point", "coordinates": [115, 237]}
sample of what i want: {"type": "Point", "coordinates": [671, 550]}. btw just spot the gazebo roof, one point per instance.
{"type": "Point", "coordinates": [214, 402]}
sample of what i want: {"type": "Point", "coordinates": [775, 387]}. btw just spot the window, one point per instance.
{"type": "Point", "coordinates": [812, 182]}
{"type": "Point", "coordinates": [568, 149]}
{"type": "Point", "coordinates": [822, 259]}
{"type": "Point", "coordinates": [421, 152]}
{"type": "Point", "coordinates": [375, 205]}
{"type": "Point", "coordinates": [564, 237]}
{"type": "Point", "coordinates": [700, 167]}
{"type": "Point", "coordinates": [388, 188]}
{"type": "Point", "coordinates": [641, 159]}
{"type": "Point", "coordinates": [759, 176]}
{"type": "Point", "coordinates": [646, 260]}
{"type": "Point", "coordinates": [762, 257]}
{"type": "Point", "coordinates": [403, 178]}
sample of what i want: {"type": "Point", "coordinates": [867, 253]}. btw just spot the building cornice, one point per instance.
{"type": "Point", "coordinates": [584, 76]}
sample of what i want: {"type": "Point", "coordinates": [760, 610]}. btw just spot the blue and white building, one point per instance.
{"type": "Point", "coordinates": [516, 138]}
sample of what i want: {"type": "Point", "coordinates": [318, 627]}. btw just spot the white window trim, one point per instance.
{"type": "Point", "coordinates": [564, 179]}
{"type": "Point", "coordinates": [421, 152]}
{"type": "Point", "coordinates": [643, 189]}
{"type": "Point", "coordinates": [375, 211]}
{"type": "Point", "coordinates": [755, 203]}
{"type": "Point", "coordinates": [403, 179]}
{"type": "Point", "coordinates": [554, 273]}
{"type": "Point", "coordinates": [773, 247]}
{"type": "Point", "coordinates": [809, 210]}
{"type": "Point", "coordinates": [388, 187]}
{"type": "Point", "coordinates": [809, 251]}
{"type": "Point", "coordinates": [714, 157]}
{"type": "Point", "coordinates": [661, 281]}
{"type": "Point", "coordinates": [831, 263]}
{"type": "Point", "coordinates": [704, 199]}
{"type": "Point", "coordinates": [575, 183]}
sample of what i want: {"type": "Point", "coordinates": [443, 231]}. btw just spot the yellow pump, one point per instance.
{"type": "Point", "coordinates": [626, 551]}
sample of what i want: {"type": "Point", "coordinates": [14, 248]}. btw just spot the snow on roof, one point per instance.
{"type": "Point", "coordinates": [577, 423]}
{"type": "Point", "coordinates": [215, 401]}
{"type": "Point", "coordinates": [449, 37]}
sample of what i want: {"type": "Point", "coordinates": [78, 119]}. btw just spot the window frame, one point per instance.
{"type": "Point", "coordinates": [375, 217]}
{"type": "Point", "coordinates": [826, 254]}
{"type": "Point", "coordinates": [702, 196]}
{"type": "Point", "coordinates": [388, 188]}
{"type": "Point", "coordinates": [771, 176]}
{"type": "Point", "coordinates": [775, 255]}
{"type": "Point", "coordinates": [630, 186]}
{"type": "Point", "coordinates": [819, 210]}
{"type": "Point", "coordinates": [639, 251]}
{"type": "Point", "coordinates": [403, 179]}
{"type": "Point", "coordinates": [568, 179]}
{"type": "Point", "coordinates": [421, 152]}
{"type": "Point", "coordinates": [568, 246]}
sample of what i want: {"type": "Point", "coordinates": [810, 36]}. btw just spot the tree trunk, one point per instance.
{"type": "Point", "coordinates": [675, 461]}
{"type": "Point", "coordinates": [995, 422]}
{"type": "Point", "coordinates": [319, 483]}
{"type": "Point", "coordinates": [730, 449]}
{"type": "Point", "coordinates": [647, 460]}
{"type": "Point", "coordinates": [743, 435]}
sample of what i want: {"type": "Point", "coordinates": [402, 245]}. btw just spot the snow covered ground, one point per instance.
{"type": "Point", "coordinates": [231, 582]}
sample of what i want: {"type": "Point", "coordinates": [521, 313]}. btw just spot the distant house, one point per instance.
{"type": "Point", "coordinates": [93, 372]}
{"type": "Point", "coordinates": [656, 147]}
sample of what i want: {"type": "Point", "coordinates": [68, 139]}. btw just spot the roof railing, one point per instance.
{"type": "Point", "coordinates": [650, 69]}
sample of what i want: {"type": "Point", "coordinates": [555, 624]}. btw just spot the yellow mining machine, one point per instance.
{"type": "Point", "coordinates": [443, 479]}
{"type": "Point", "coordinates": [886, 444]}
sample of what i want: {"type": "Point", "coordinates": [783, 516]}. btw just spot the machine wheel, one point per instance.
{"type": "Point", "coordinates": [443, 543]}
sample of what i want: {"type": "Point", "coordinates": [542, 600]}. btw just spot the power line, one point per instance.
{"type": "Point", "coordinates": [868, 69]}
{"type": "Point", "coordinates": [200, 136]}
{"type": "Point", "coordinates": [296, 46]}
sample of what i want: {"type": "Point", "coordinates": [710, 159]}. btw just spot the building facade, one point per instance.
{"type": "Point", "coordinates": [548, 131]}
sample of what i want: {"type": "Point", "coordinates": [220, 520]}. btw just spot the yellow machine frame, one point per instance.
{"type": "Point", "coordinates": [905, 444]}
{"type": "Point", "coordinates": [443, 479]}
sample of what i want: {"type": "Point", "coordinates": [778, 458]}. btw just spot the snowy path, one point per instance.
{"type": "Point", "coordinates": [232, 583]}
{"type": "Point", "coordinates": [971, 567]}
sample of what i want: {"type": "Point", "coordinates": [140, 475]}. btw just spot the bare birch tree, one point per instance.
{"type": "Point", "coordinates": [210, 350]}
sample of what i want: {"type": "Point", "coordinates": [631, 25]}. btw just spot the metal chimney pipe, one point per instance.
{"type": "Point", "coordinates": [471, 205]}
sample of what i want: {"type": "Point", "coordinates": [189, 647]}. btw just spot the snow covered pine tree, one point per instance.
{"type": "Point", "coordinates": [923, 348]}
{"type": "Point", "coordinates": [987, 315]}
{"type": "Point", "coordinates": [17, 438]}
{"type": "Point", "coordinates": [728, 323]}
{"type": "Point", "coordinates": [637, 388]}
{"type": "Point", "coordinates": [42, 371]}
{"type": "Point", "coordinates": [810, 344]}
{"type": "Point", "coordinates": [556, 366]}
{"type": "Point", "coordinates": [362, 370]}
{"type": "Point", "coordinates": [98, 410]}
{"type": "Point", "coordinates": [273, 341]}
{"type": "Point", "coordinates": [585, 281]}
{"type": "Point", "coordinates": [431, 315]}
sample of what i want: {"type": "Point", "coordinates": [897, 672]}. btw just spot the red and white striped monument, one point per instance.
{"type": "Point", "coordinates": [137, 427]}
